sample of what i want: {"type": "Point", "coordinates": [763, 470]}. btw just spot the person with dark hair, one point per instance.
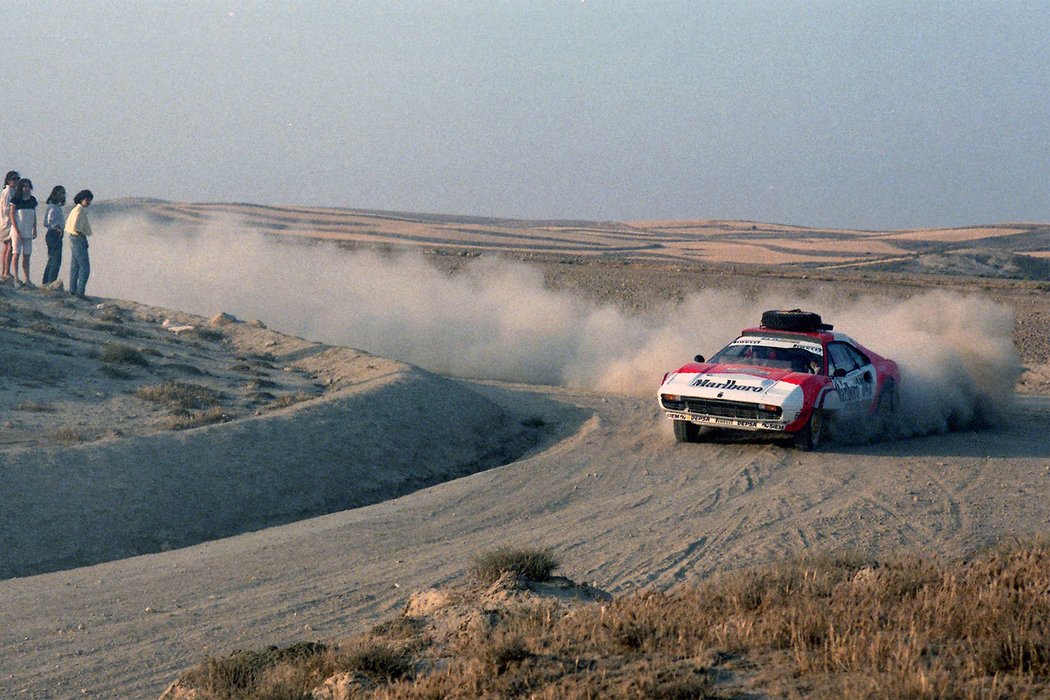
{"type": "Point", "coordinates": [54, 222]}
{"type": "Point", "coordinates": [78, 228]}
{"type": "Point", "coordinates": [23, 228]}
{"type": "Point", "coordinates": [10, 181]}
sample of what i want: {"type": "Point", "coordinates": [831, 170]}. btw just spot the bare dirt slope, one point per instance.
{"type": "Point", "coordinates": [129, 429]}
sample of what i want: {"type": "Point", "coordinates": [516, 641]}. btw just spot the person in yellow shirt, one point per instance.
{"type": "Point", "coordinates": [78, 228]}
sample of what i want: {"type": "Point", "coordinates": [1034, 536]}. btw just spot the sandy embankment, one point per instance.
{"type": "Point", "coordinates": [377, 429]}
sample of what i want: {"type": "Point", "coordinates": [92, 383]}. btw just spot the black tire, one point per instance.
{"type": "Point", "coordinates": [685, 431]}
{"type": "Point", "coordinates": [793, 320]}
{"type": "Point", "coordinates": [811, 437]}
{"type": "Point", "coordinates": [886, 408]}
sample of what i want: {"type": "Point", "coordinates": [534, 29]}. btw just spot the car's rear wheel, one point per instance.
{"type": "Point", "coordinates": [811, 437]}
{"type": "Point", "coordinates": [686, 431]}
{"type": "Point", "coordinates": [886, 407]}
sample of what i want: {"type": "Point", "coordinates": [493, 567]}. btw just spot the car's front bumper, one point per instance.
{"type": "Point", "coordinates": [728, 422]}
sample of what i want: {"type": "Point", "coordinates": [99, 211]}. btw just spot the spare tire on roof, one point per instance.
{"type": "Point", "coordinates": [794, 320]}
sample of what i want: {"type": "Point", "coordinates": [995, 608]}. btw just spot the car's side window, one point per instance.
{"type": "Point", "coordinates": [859, 358]}
{"type": "Point", "coordinates": [840, 358]}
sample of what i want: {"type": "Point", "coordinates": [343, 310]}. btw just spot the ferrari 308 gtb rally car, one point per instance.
{"type": "Point", "coordinates": [789, 375]}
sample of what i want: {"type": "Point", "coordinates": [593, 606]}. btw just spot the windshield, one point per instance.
{"type": "Point", "coordinates": [776, 353]}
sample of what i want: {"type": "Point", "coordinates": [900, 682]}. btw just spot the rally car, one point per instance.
{"type": "Point", "coordinates": [789, 375]}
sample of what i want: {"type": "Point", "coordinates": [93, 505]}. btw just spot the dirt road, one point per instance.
{"type": "Point", "coordinates": [609, 489]}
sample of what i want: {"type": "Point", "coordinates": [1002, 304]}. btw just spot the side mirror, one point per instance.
{"type": "Point", "coordinates": [840, 372]}
{"type": "Point", "coordinates": [698, 358]}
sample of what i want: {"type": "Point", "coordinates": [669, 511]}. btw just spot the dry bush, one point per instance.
{"type": "Point", "coordinates": [259, 383]}
{"type": "Point", "coordinates": [111, 314]}
{"type": "Point", "coordinates": [273, 674]}
{"type": "Point", "coordinates": [181, 395]}
{"type": "Point", "coordinates": [48, 329]}
{"type": "Point", "coordinates": [209, 334]}
{"type": "Point", "coordinates": [68, 436]}
{"type": "Point", "coordinates": [286, 400]}
{"type": "Point", "coordinates": [292, 672]}
{"type": "Point", "coordinates": [114, 372]}
{"type": "Point", "coordinates": [183, 368]}
{"type": "Point", "coordinates": [533, 563]}
{"type": "Point", "coordinates": [114, 329]}
{"type": "Point", "coordinates": [379, 661]}
{"type": "Point", "coordinates": [115, 353]}
{"type": "Point", "coordinates": [33, 407]}
{"type": "Point", "coordinates": [208, 416]}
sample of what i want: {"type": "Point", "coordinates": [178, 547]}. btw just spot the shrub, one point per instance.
{"type": "Point", "coordinates": [113, 329]}
{"type": "Point", "coordinates": [196, 420]}
{"type": "Point", "coordinates": [33, 407]}
{"type": "Point", "coordinates": [115, 372]}
{"type": "Point", "coordinates": [244, 673]}
{"type": "Point", "coordinates": [209, 334]}
{"type": "Point", "coordinates": [184, 368]}
{"type": "Point", "coordinates": [117, 354]}
{"type": "Point", "coordinates": [286, 400]}
{"type": "Point", "coordinates": [181, 395]}
{"type": "Point", "coordinates": [533, 563]}
{"type": "Point", "coordinates": [535, 422]}
{"type": "Point", "coordinates": [68, 436]}
{"type": "Point", "coordinates": [376, 660]}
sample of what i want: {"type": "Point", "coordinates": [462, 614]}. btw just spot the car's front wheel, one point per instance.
{"type": "Point", "coordinates": [686, 431]}
{"type": "Point", "coordinates": [811, 437]}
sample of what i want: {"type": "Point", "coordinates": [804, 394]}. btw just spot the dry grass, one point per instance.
{"type": "Point", "coordinates": [210, 416]}
{"type": "Point", "coordinates": [290, 673]}
{"type": "Point", "coordinates": [115, 353]}
{"type": "Point", "coordinates": [823, 628]}
{"type": "Point", "coordinates": [181, 395]}
{"type": "Point", "coordinates": [286, 400]}
{"type": "Point", "coordinates": [533, 563]}
{"type": "Point", "coordinates": [114, 372]}
{"type": "Point", "coordinates": [68, 436]}
{"type": "Point", "coordinates": [209, 334]}
{"type": "Point", "coordinates": [33, 407]}
{"type": "Point", "coordinates": [114, 329]}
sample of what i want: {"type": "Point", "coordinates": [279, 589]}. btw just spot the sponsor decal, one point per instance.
{"type": "Point", "coordinates": [815, 348]}
{"type": "Point", "coordinates": [741, 423]}
{"type": "Point", "coordinates": [850, 391]}
{"type": "Point", "coordinates": [727, 384]}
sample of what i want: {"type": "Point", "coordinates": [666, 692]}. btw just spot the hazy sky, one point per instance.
{"type": "Point", "coordinates": [858, 114]}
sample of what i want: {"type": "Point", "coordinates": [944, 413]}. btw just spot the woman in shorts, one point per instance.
{"type": "Point", "coordinates": [23, 228]}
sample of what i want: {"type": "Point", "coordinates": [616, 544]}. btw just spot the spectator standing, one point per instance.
{"type": "Point", "coordinates": [10, 181]}
{"type": "Point", "coordinates": [23, 228]}
{"type": "Point", "coordinates": [79, 229]}
{"type": "Point", "coordinates": [55, 223]}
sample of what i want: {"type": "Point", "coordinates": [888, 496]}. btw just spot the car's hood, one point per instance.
{"type": "Point", "coordinates": [733, 382]}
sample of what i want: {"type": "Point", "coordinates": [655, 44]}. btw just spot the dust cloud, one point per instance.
{"type": "Point", "coordinates": [497, 320]}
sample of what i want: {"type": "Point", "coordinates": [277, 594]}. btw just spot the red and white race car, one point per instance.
{"type": "Point", "coordinates": [789, 375]}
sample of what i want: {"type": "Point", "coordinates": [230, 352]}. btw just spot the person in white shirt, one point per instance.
{"type": "Point", "coordinates": [54, 224]}
{"type": "Point", "coordinates": [10, 181]}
